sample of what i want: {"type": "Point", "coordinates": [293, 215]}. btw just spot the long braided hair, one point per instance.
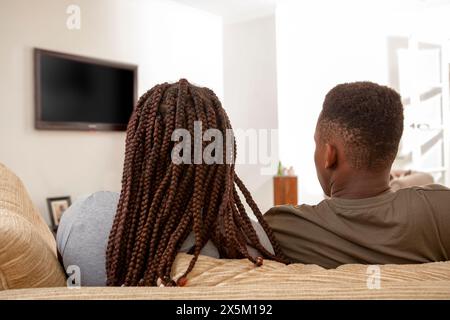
{"type": "Point", "coordinates": [162, 202]}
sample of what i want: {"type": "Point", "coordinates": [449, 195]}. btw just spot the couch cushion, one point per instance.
{"type": "Point", "coordinates": [27, 247]}
{"type": "Point", "coordinates": [224, 272]}
{"type": "Point", "coordinates": [422, 290]}
{"type": "Point", "coordinates": [240, 279]}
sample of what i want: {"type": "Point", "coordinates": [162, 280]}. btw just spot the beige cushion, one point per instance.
{"type": "Point", "coordinates": [226, 272]}
{"type": "Point", "coordinates": [27, 247]}
{"type": "Point", "coordinates": [424, 290]}
{"type": "Point", "coordinates": [239, 279]}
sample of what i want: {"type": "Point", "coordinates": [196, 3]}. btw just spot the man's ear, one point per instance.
{"type": "Point", "coordinates": [330, 156]}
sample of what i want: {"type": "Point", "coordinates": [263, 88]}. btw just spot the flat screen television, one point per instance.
{"type": "Point", "coordinates": [80, 93]}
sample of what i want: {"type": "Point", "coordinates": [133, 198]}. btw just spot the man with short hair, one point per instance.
{"type": "Point", "coordinates": [363, 221]}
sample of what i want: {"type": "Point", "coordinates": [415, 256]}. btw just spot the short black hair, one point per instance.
{"type": "Point", "coordinates": [369, 119]}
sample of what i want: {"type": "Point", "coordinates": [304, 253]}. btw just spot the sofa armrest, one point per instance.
{"type": "Point", "coordinates": [26, 261]}
{"type": "Point", "coordinates": [27, 247]}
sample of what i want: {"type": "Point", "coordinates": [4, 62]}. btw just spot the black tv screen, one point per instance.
{"type": "Point", "coordinates": [79, 93]}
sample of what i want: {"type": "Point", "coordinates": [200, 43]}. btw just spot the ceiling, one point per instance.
{"type": "Point", "coordinates": [239, 10]}
{"type": "Point", "coordinates": [234, 10]}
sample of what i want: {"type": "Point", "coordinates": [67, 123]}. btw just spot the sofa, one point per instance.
{"type": "Point", "coordinates": [29, 269]}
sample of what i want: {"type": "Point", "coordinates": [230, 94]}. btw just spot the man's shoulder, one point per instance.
{"type": "Point", "coordinates": [292, 211]}
{"type": "Point", "coordinates": [428, 190]}
{"type": "Point", "coordinates": [432, 187]}
{"type": "Point", "coordinates": [435, 195]}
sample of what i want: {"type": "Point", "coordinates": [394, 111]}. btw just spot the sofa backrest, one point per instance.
{"type": "Point", "coordinates": [240, 279]}
{"type": "Point", "coordinates": [28, 256]}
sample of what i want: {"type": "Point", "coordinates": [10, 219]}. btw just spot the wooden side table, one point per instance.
{"type": "Point", "coordinates": [285, 190]}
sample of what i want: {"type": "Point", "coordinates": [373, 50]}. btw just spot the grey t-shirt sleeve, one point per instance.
{"type": "Point", "coordinates": [83, 235]}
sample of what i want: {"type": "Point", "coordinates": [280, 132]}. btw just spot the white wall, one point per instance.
{"type": "Point", "coordinates": [325, 42]}
{"type": "Point", "coordinates": [165, 39]}
{"type": "Point", "coordinates": [250, 95]}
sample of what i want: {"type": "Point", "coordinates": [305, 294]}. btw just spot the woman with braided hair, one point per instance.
{"type": "Point", "coordinates": [166, 206]}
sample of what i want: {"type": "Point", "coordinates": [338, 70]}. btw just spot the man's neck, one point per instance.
{"type": "Point", "coordinates": [359, 185]}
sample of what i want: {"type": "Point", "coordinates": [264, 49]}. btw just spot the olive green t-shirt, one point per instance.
{"type": "Point", "coordinates": [410, 225]}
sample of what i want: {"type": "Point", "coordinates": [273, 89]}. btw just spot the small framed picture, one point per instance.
{"type": "Point", "coordinates": [56, 208]}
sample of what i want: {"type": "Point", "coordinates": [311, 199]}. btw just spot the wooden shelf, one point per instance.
{"type": "Point", "coordinates": [285, 190]}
